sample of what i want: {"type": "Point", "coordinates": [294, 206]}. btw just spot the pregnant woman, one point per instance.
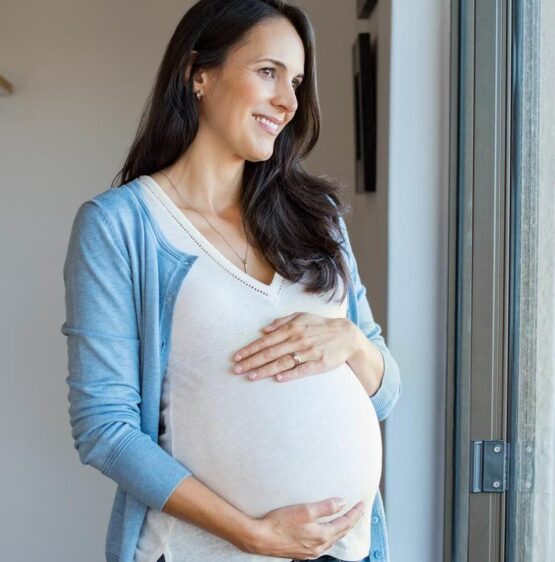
{"type": "Point", "coordinates": [225, 369]}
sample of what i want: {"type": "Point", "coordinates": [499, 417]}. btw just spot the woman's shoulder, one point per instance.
{"type": "Point", "coordinates": [119, 205]}
{"type": "Point", "coordinates": [116, 199]}
{"type": "Point", "coordinates": [114, 218]}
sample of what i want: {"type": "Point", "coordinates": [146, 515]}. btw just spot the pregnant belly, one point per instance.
{"type": "Point", "coordinates": [264, 445]}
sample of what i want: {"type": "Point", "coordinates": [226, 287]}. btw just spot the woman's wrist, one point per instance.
{"type": "Point", "coordinates": [251, 536]}
{"type": "Point", "coordinates": [367, 361]}
{"type": "Point", "coordinates": [195, 503]}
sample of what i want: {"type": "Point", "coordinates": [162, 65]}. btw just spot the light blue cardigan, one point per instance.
{"type": "Point", "coordinates": [121, 279]}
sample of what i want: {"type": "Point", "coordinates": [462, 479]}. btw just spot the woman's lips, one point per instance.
{"type": "Point", "coordinates": [266, 127]}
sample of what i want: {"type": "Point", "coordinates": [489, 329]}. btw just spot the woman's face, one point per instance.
{"type": "Point", "coordinates": [249, 85]}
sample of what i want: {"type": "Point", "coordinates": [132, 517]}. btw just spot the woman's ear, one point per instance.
{"type": "Point", "coordinates": [201, 76]}
{"type": "Point", "coordinates": [201, 80]}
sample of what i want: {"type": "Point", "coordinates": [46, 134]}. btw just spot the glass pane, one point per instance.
{"type": "Point", "coordinates": [532, 489]}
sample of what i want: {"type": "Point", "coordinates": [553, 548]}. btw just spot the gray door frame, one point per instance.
{"type": "Point", "coordinates": [479, 251]}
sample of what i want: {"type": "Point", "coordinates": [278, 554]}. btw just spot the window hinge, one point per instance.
{"type": "Point", "coordinates": [490, 466]}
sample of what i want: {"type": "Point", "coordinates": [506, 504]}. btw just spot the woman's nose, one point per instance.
{"type": "Point", "coordinates": [287, 99]}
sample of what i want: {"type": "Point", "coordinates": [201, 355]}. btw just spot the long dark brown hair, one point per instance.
{"type": "Point", "coordinates": [291, 216]}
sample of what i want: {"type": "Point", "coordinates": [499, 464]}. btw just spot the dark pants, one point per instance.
{"type": "Point", "coordinates": [325, 558]}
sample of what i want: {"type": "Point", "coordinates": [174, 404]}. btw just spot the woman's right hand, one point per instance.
{"type": "Point", "coordinates": [293, 532]}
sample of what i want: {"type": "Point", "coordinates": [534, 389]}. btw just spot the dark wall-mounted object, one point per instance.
{"type": "Point", "coordinates": [364, 86]}
{"type": "Point", "coordinates": [6, 87]}
{"type": "Point", "coordinates": [365, 7]}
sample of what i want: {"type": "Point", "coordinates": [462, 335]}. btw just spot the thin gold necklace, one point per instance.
{"type": "Point", "coordinates": [243, 260]}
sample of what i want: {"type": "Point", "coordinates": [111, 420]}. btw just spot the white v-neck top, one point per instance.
{"type": "Point", "coordinates": [260, 445]}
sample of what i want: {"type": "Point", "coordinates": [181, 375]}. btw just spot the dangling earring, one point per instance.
{"type": "Point", "coordinates": [199, 95]}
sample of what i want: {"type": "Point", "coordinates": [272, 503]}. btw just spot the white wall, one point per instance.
{"type": "Point", "coordinates": [81, 74]}
{"type": "Point", "coordinates": [417, 305]}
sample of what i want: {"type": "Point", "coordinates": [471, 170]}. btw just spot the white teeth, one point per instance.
{"type": "Point", "coordinates": [262, 120]}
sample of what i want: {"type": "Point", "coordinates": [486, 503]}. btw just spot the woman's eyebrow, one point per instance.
{"type": "Point", "coordinates": [280, 64]}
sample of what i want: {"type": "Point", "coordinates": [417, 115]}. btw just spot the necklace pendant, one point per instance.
{"type": "Point", "coordinates": [245, 265]}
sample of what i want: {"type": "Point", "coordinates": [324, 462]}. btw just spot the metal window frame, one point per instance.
{"type": "Point", "coordinates": [478, 293]}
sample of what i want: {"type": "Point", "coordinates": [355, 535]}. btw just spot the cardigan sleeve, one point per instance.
{"type": "Point", "coordinates": [387, 395]}
{"type": "Point", "coordinates": [104, 363]}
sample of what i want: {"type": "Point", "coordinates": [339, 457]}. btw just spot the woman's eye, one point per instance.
{"type": "Point", "coordinates": [273, 70]}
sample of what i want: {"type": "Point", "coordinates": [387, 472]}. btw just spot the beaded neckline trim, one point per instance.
{"type": "Point", "coordinates": [267, 292]}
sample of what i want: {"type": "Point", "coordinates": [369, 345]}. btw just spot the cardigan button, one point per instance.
{"type": "Point", "coordinates": [375, 519]}
{"type": "Point", "coordinates": [378, 553]}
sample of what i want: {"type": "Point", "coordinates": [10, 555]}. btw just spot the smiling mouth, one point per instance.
{"type": "Point", "coordinates": [267, 125]}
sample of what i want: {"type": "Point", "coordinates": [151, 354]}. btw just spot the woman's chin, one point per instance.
{"type": "Point", "coordinates": [260, 149]}
{"type": "Point", "coordinates": [260, 156]}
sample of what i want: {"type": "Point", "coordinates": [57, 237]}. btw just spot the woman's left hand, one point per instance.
{"type": "Point", "coordinates": [321, 344]}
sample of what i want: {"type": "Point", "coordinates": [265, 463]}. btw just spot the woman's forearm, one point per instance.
{"type": "Point", "coordinates": [195, 503]}
{"type": "Point", "coordinates": [367, 362]}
